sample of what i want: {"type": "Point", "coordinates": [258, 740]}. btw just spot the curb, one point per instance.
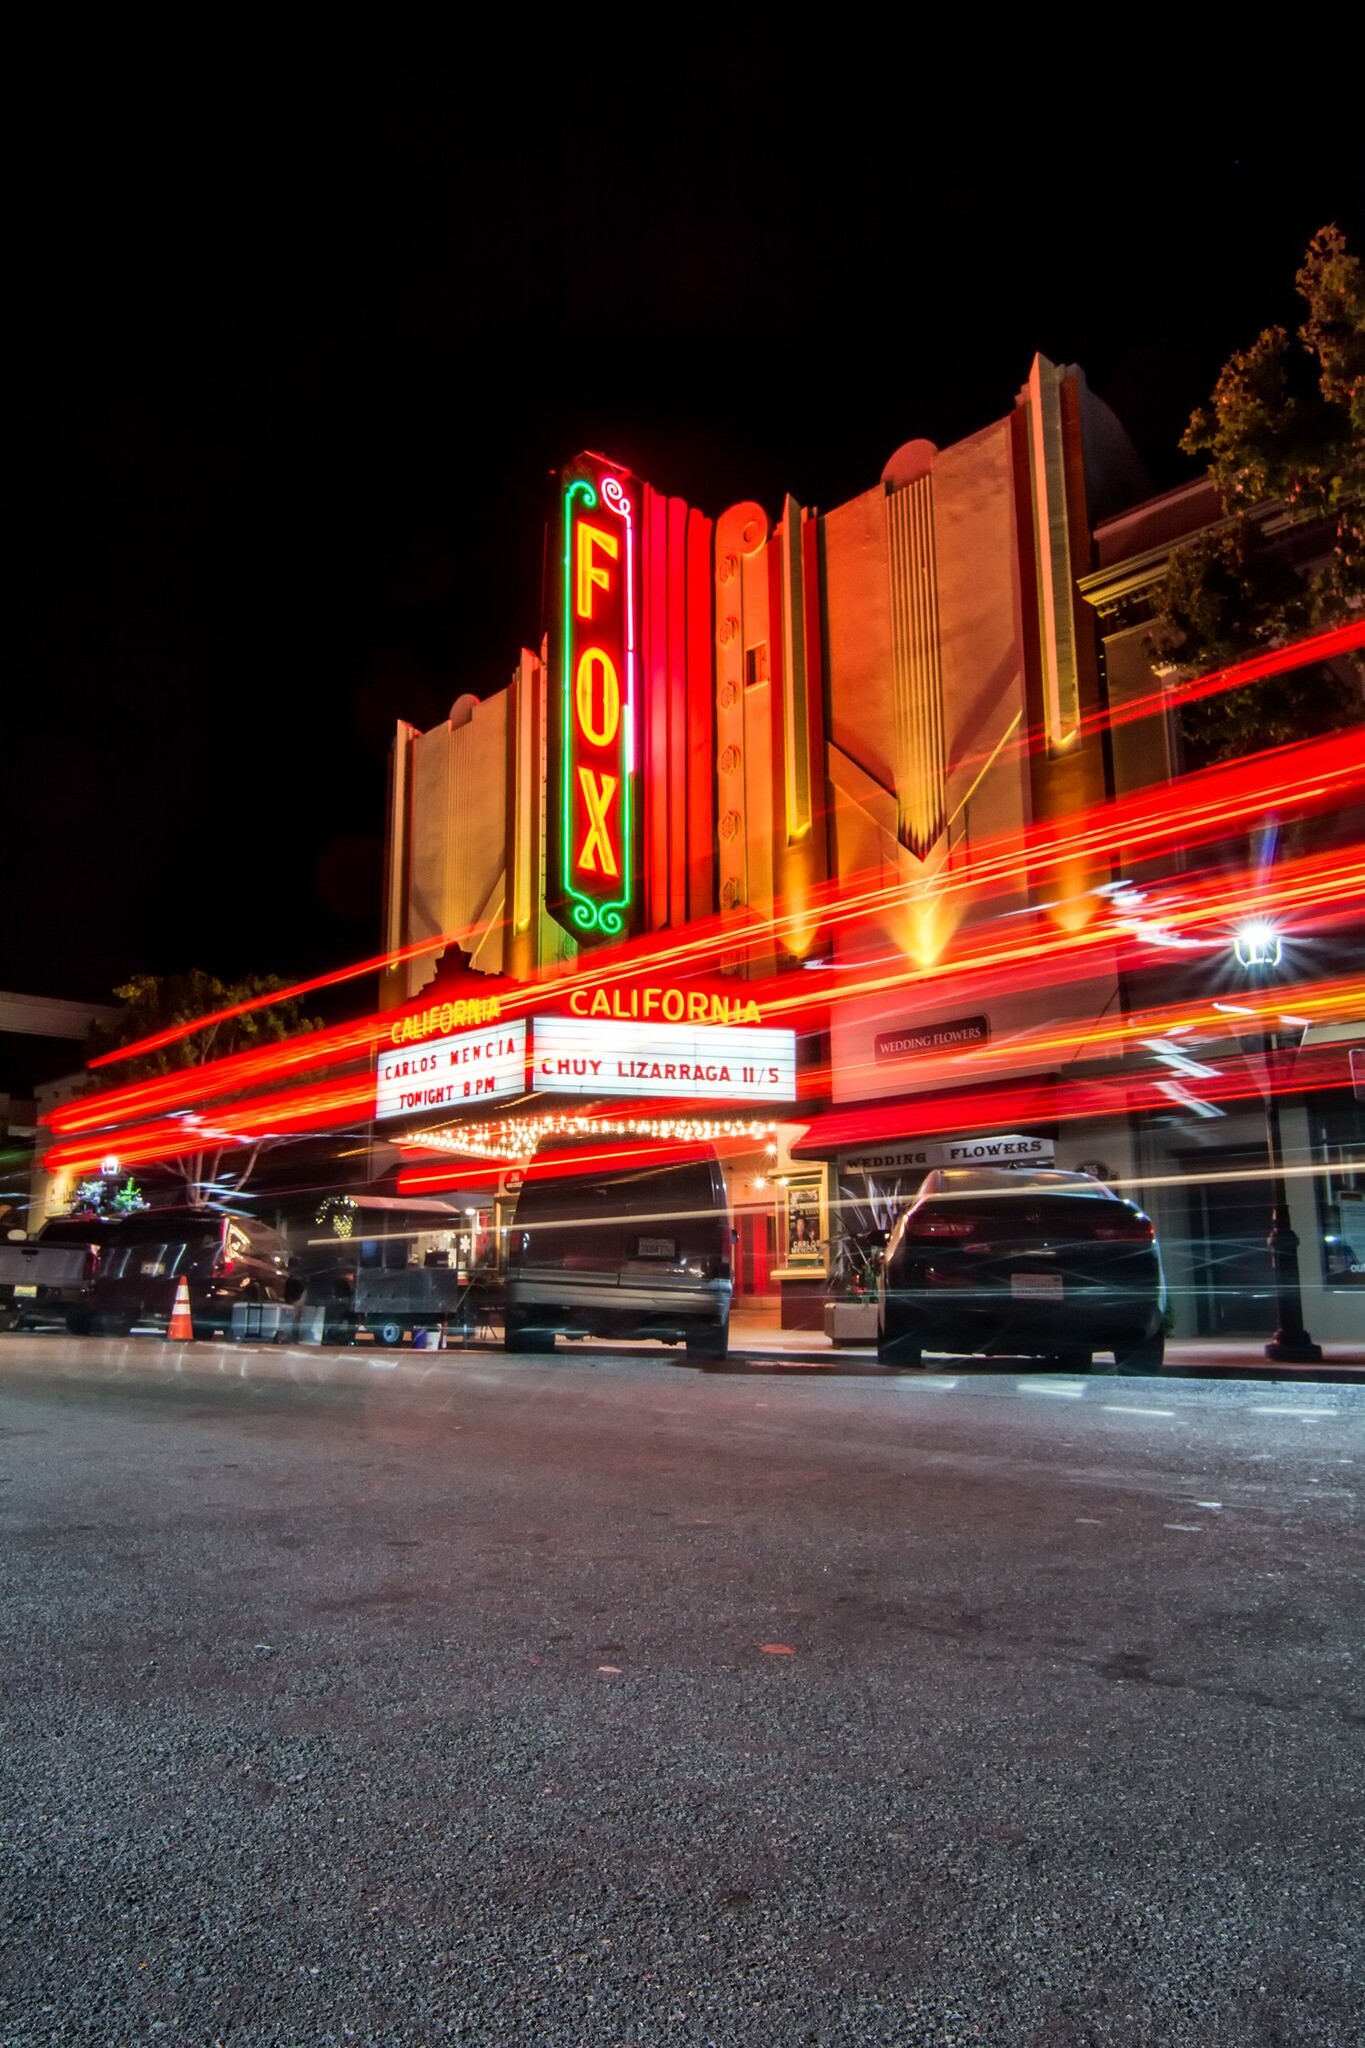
{"type": "Point", "coordinates": [142, 1358]}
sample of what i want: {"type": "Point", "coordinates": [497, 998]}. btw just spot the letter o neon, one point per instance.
{"type": "Point", "coordinates": [590, 659]}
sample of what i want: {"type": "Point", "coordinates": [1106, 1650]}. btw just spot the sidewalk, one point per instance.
{"type": "Point", "coordinates": [1241, 1358]}
{"type": "Point", "coordinates": [755, 1340]}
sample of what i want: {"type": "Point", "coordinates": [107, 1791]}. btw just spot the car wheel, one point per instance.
{"type": "Point", "coordinates": [1141, 1357]}
{"type": "Point", "coordinates": [78, 1322]}
{"type": "Point", "coordinates": [112, 1325]}
{"type": "Point", "coordinates": [516, 1336]}
{"type": "Point", "coordinates": [900, 1351]}
{"type": "Point", "coordinates": [710, 1347]}
{"type": "Point", "coordinates": [389, 1334]}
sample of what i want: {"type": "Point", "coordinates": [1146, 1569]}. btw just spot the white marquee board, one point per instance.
{"type": "Point", "coordinates": [469, 1068]}
{"type": "Point", "coordinates": [589, 1056]}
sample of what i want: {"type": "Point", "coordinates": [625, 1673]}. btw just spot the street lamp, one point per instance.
{"type": "Point", "coordinates": [1256, 945]}
{"type": "Point", "coordinates": [1257, 948]}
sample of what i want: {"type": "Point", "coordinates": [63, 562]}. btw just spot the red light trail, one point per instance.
{"type": "Point", "coordinates": [1312, 774]}
{"type": "Point", "coordinates": [374, 965]}
{"type": "Point", "coordinates": [1028, 943]}
{"type": "Point", "coordinates": [1116, 824]}
{"type": "Point", "coordinates": [323, 1105]}
{"type": "Point", "coordinates": [1046, 1101]}
{"type": "Point", "coordinates": [1257, 668]}
{"type": "Point", "coordinates": [1312, 886]}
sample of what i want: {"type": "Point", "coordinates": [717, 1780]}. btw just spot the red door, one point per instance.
{"type": "Point", "coordinates": [755, 1251]}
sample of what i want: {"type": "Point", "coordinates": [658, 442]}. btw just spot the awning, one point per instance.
{"type": "Point", "coordinates": [928, 1116]}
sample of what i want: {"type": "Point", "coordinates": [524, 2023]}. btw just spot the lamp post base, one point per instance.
{"type": "Point", "coordinates": [1295, 1350]}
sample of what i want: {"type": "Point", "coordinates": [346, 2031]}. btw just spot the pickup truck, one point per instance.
{"type": "Point", "coordinates": [45, 1279]}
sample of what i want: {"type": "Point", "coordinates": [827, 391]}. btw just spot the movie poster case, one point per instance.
{"type": "Point", "coordinates": [803, 1225]}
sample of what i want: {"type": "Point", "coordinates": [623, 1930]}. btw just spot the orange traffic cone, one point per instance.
{"type": "Point", "coordinates": [181, 1327]}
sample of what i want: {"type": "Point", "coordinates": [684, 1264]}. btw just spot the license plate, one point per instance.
{"type": "Point", "coordinates": [27, 1288]}
{"type": "Point", "coordinates": [1037, 1286]}
{"type": "Point", "coordinates": [656, 1248]}
{"type": "Point", "coordinates": [153, 1269]}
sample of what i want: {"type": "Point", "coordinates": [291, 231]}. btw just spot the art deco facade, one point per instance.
{"type": "Point", "coordinates": [892, 787]}
{"type": "Point", "coordinates": [856, 726]}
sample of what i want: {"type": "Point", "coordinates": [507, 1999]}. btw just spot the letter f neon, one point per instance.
{"type": "Point", "coordinates": [587, 572]}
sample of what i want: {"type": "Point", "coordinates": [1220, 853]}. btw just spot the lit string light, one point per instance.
{"type": "Point", "coordinates": [517, 1138]}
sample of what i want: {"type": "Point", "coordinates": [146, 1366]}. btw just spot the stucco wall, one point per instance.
{"type": "Point", "coordinates": [458, 851]}
{"type": "Point", "coordinates": [981, 637]}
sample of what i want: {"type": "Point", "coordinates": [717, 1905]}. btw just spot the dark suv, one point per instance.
{"type": "Point", "coordinates": [1017, 1262]}
{"type": "Point", "coordinates": [223, 1258]}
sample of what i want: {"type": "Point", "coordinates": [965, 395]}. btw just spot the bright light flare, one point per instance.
{"type": "Point", "coordinates": [1256, 945]}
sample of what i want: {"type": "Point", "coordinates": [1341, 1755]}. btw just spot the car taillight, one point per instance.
{"type": "Point", "coordinates": [1129, 1230]}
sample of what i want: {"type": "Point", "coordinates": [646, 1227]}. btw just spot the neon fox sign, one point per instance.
{"type": "Point", "coordinates": [594, 874]}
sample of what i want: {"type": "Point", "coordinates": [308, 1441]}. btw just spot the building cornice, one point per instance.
{"type": "Point", "coordinates": [1121, 585]}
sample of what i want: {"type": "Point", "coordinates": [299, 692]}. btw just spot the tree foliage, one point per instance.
{"type": "Point", "coordinates": [1284, 435]}
{"type": "Point", "coordinates": [154, 1003]}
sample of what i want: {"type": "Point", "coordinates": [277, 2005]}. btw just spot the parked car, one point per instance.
{"type": "Point", "coordinates": [624, 1241]}
{"type": "Point", "coordinates": [224, 1259]}
{"type": "Point", "coordinates": [1022, 1262]}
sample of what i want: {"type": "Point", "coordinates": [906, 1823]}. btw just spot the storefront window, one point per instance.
{"type": "Point", "coordinates": [1339, 1133]}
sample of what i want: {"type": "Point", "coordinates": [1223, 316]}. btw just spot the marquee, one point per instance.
{"type": "Point", "coordinates": [467, 1068]}
{"type": "Point", "coordinates": [650, 1055]}
{"type": "Point", "coordinates": [587, 1056]}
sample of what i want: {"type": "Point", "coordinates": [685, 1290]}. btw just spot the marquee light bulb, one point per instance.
{"type": "Point", "coordinates": [516, 1139]}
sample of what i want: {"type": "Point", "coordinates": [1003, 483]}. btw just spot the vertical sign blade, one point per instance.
{"type": "Point", "coordinates": [592, 878]}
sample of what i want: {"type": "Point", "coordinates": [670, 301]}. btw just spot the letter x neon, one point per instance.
{"type": "Point", "coordinates": [598, 791]}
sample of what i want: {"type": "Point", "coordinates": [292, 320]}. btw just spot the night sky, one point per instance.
{"type": "Point", "coordinates": [298, 354]}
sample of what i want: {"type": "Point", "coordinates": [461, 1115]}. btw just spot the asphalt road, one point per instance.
{"type": "Point", "coordinates": [554, 1701]}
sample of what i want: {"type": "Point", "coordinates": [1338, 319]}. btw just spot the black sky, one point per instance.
{"type": "Point", "coordinates": [296, 358]}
